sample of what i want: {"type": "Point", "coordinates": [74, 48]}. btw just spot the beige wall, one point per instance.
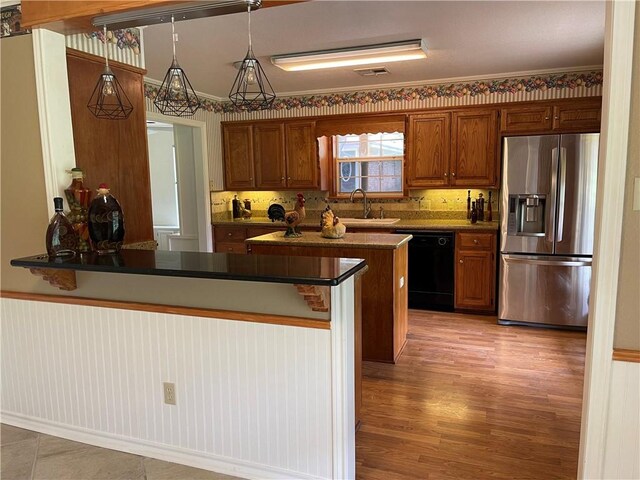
{"type": "Point", "coordinates": [23, 199]}
{"type": "Point", "coordinates": [627, 333]}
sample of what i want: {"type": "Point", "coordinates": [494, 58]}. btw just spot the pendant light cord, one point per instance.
{"type": "Point", "coordinates": [249, 12]}
{"type": "Point", "coordinates": [104, 46]}
{"type": "Point", "coordinates": [173, 37]}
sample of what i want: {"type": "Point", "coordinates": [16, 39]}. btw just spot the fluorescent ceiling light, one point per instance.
{"type": "Point", "coordinates": [347, 57]}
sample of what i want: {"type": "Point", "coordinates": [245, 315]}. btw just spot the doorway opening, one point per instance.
{"type": "Point", "coordinates": [179, 183]}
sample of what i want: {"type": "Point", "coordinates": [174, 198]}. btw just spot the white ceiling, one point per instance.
{"type": "Point", "coordinates": [464, 39]}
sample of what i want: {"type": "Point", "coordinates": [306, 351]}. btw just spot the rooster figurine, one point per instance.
{"type": "Point", "coordinates": [277, 212]}
{"type": "Point", "coordinates": [331, 225]}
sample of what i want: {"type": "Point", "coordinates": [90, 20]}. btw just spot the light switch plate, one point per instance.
{"type": "Point", "coordinates": [636, 194]}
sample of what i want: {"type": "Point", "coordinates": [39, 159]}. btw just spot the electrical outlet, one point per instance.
{"type": "Point", "coordinates": [169, 393]}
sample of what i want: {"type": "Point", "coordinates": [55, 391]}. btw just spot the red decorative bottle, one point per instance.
{"type": "Point", "coordinates": [106, 222]}
{"type": "Point", "coordinates": [61, 239]}
{"type": "Point", "coordinates": [78, 198]}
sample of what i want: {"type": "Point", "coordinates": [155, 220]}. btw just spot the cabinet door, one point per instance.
{"type": "Point", "coordinates": [302, 155]}
{"type": "Point", "coordinates": [474, 279]}
{"type": "Point", "coordinates": [474, 159]}
{"type": "Point", "coordinates": [526, 119]}
{"type": "Point", "coordinates": [268, 154]}
{"type": "Point", "coordinates": [428, 150]}
{"type": "Point", "coordinates": [238, 156]}
{"type": "Point", "coordinates": [579, 117]}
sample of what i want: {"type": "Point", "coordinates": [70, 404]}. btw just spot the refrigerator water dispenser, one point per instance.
{"type": "Point", "coordinates": [527, 215]}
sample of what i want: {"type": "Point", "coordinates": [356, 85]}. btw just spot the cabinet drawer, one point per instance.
{"type": "Point", "coordinates": [230, 234]}
{"type": "Point", "coordinates": [478, 241]}
{"type": "Point", "coordinates": [238, 247]}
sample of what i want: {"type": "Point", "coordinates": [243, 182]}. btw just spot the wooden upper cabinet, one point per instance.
{"type": "Point", "coordinates": [574, 115]}
{"type": "Point", "coordinates": [281, 154]}
{"type": "Point", "coordinates": [113, 151]}
{"type": "Point", "coordinates": [238, 156]}
{"type": "Point", "coordinates": [526, 119]}
{"type": "Point", "coordinates": [268, 154]}
{"type": "Point", "coordinates": [474, 161]}
{"type": "Point", "coordinates": [428, 148]}
{"type": "Point", "coordinates": [578, 117]}
{"type": "Point", "coordinates": [301, 155]}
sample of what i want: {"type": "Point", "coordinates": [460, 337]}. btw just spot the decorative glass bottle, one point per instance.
{"type": "Point", "coordinates": [61, 239]}
{"type": "Point", "coordinates": [78, 198]}
{"type": "Point", "coordinates": [106, 222]}
{"type": "Point", "coordinates": [474, 213]}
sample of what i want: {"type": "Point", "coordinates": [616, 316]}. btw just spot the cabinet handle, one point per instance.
{"type": "Point", "coordinates": [475, 240]}
{"type": "Point", "coordinates": [555, 118]}
{"type": "Point", "coordinates": [288, 178]}
{"type": "Point", "coordinates": [229, 234]}
{"type": "Point", "coordinates": [282, 179]}
{"type": "Point", "coordinates": [251, 178]}
{"type": "Point", "coordinates": [546, 118]}
{"type": "Point", "coordinates": [445, 175]}
{"type": "Point", "coordinates": [460, 261]}
{"type": "Point", "coordinates": [453, 174]}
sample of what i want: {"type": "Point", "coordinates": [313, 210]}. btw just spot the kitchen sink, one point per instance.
{"type": "Point", "coordinates": [368, 221]}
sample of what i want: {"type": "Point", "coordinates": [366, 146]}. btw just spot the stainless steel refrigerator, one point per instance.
{"type": "Point", "coordinates": [548, 203]}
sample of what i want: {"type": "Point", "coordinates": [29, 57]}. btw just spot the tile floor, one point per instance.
{"type": "Point", "coordinates": [28, 455]}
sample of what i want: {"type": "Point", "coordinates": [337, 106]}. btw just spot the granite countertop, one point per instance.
{"type": "Point", "coordinates": [256, 268]}
{"type": "Point", "coordinates": [350, 240]}
{"type": "Point", "coordinates": [403, 224]}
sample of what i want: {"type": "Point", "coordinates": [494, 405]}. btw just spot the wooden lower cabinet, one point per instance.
{"type": "Point", "coordinates": [475, 271]}
{"type": "Point", "coordinates": [384, 294]}
{"type": "Point", "coordinates": [230, 238]}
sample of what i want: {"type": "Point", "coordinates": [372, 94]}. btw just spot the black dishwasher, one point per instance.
{"type": "Point", "coordinates": [431, 269]}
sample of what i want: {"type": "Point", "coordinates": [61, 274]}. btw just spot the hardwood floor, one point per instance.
{"type": "Point", "coordinates": [470, 399]}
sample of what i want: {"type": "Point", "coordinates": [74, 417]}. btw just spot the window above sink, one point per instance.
{"type": "Point", "coordinates": [370, 161]}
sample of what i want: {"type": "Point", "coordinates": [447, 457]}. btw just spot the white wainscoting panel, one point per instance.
{"type": "Point", "coordinates": [622, 447]}
{"type": "Point", "coordinates": [250, 397]}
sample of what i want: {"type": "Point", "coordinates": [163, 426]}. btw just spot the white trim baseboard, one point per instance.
{"type": "Point", "coordinates": [143, 448]}
{"type": "Point", "coordinates": [611, 174]}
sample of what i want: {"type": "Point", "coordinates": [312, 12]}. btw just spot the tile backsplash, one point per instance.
{"type": "Point", "coordinates": [432, 203]}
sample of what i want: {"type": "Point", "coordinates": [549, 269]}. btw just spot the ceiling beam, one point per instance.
{"type": "Point", "coordinates": [72, 16]}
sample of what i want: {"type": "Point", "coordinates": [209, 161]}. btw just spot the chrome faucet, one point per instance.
{"type": "Point", "coordinates": [365, 208]}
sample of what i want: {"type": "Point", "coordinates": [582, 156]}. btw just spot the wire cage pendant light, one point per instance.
{"type": "Point", "coordinates": [176, 96]}
{"type": "Point", "coordinates": [109, 99]}
{"type": "Point", "coordinates": [251, 89]}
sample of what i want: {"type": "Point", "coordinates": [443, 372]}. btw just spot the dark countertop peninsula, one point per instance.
{"type": "Point", "coordinates": [257, 268]}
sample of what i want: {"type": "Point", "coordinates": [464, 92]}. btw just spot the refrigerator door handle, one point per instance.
{"type": "Point", "coordinates": [560, 261]}
{"type": "Point", "coordinates": [550, 213]}
{"type": "Point", "coordinates": [562, 190]}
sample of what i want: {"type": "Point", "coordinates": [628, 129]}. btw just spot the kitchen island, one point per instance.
{"type": "Point", "coordinates": [384, 286]}
{"type": "Point", "coordinates": [260, 351]}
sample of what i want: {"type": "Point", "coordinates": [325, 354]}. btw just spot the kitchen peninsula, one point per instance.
{"type": "Point", "coordinates": [259, 349]}
{"type": "Point", "coordinates": [384, 287]}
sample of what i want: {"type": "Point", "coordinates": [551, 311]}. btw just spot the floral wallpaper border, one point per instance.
{"type": "Point", "coordinates": [123, 38]}
{"type": "Point", "coordinates": [408, 94]}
